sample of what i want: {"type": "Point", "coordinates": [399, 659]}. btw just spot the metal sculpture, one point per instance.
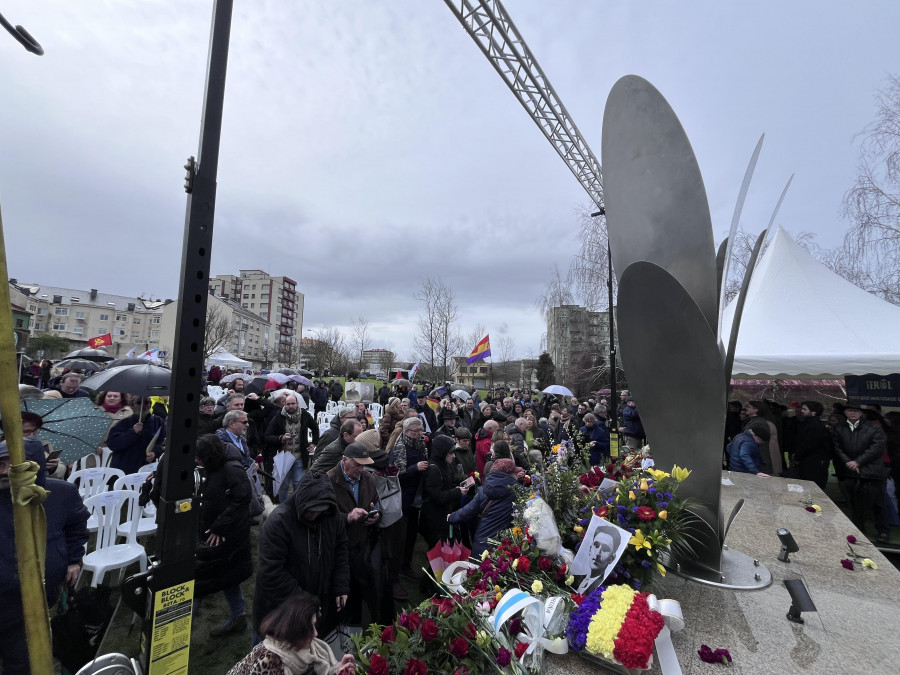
{"type": "Point", "coordinates": [669, 295]}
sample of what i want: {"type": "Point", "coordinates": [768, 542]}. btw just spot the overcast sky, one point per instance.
{"type": "Point", "coordinates": [367, 145]}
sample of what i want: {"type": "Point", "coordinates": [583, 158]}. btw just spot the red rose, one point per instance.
{"type": "Point", "coordinates": [387, 635]}
{"type": "Point", "coordinates": [470, 632]}
{"type": "Point", "coordinates": [524, 565]}
{"type": "Point", "coordinates": [459, 647]}
{"type": "Point", "coordinates": [544, 564]}
{"type": "Point", "coordinates": [645, 513]}
{"type": "Point", "coordinates": [446, 607]}
{"type": "Point", "coordinates": [462, 670]}
{"type": "Point", "coordinates": [520, 649]}
{"type": "Point", "coordinates": [429, 630]}
{"type": "Point", "coordinates": [602, 511]}
{"type": "Point", "coordinates": [527, 480]}
{"type": "Point", "coordinates": [415, 667]}
{"type": "Point", "coordinates": [413, 621]}
{"type": "Point", "coordinates": [378, 665]}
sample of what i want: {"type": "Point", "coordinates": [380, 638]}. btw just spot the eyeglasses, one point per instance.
{"type": "Point", "coordinates": [243, 421]}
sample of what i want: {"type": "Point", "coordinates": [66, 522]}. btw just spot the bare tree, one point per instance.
{"type": "Point", "coordinates": [558, 291]}
{"type": "Point", "coordinates": [505, 370]}
{"type": "Point", "coordinates": [437, 339]}
{"type": "Point", "coordinates": [589, 272]}
{"type": "Point", "coordinates": [327, 351]}
{"type": "Point", "coordinates": [218, 331]}
{"type": "Point", "coordinates": [872, 245]}
{"type": "Point", "coordinates": [359, 338]}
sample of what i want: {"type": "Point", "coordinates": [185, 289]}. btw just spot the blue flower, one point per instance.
{"type": "Point", "coordinates": [622, 521]}
{"type": "Point", "coordinates": [622, 509]}
{"type": "Point", "coordinates": [652, 490]}
{"type": "Point", "coordinates": [661, 505]}
{"type": "Point", "coordinates": [583, 522]}
{"type": "Point", "coordinates": [645, 564]}
{"type": "Point", "coordinates": [634, 509]}
{"type": "Point", "coordinates": [637, 585]}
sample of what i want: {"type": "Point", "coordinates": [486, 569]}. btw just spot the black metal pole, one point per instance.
{"type": "Point", "coordinates": [172, 570]}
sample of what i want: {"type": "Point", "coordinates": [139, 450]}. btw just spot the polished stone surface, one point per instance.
{"type": "Point", "coordinates": [855, 630]}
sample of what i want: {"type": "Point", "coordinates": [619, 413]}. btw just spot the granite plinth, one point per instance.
{"type": "Point", "coordinates": [855, 630]}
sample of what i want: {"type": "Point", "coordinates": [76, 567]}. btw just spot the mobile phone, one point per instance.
{"type": "Point", "coordinates": [373, 513]}
{"type": "Point", "coordinates": [54, 454]}
{"type": "Point", "coordinates": [468, 482]}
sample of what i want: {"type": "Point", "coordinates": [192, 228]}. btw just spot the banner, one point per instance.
{"type": "Point", "coordinates": [873, 389]}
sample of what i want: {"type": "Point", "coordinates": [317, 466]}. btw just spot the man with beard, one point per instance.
{"type": "Point", "coordinates": [130, 438]}
{"type": "Point", "coordinates": [289, 431]}
{"type": "Point", "coordinates": [234, 431]}
{"type": "Point", "coordinates": [814, 446]}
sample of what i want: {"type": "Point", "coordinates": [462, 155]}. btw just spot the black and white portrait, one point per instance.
{"type": "Point", "coordinates": [600, 550]}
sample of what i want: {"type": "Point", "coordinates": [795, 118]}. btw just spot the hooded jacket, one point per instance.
{"type": "Point", "coordinates": [494, 505]}
{"type": "Point", "coordinates": [296, 554]}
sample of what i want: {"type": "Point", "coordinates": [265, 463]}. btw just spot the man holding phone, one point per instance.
{"type": "Point", "coordinates": [357, 499]}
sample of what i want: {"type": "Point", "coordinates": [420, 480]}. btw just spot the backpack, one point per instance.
{"type": "Point", "coordinates": [256, 502]}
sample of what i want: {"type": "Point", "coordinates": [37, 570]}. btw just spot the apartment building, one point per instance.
{"type": "Point", "coordinates": [272, 298]}
{"type": "Point", "coordinates": [576, 339]}
{"type": "Point", "coordinates": [78, 315]}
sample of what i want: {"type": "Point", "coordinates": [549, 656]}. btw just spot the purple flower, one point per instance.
{"type": "Point", "coordinates": [851, 539]}
{"type": "Point", "coordinates": [810, 509]}
{"type": "Point", "coordinates": [634, 509]}
{"type": "Point", "coordinates": [580, 619]}
{"type": "Point", "coordinates": [652, 490]}
{"type": "Point", "coordinates": [847, 564]}
{"type": "Point", "coordinates": [622, 509]}
{"type": "Point", "coordinates": [718, 656]}
{"type": "Point", "coordinates": [645, 564]}
{"type": "Point", "coordinates": [636, 584]}
{"type": "Point", "coordinates": [661, 506]}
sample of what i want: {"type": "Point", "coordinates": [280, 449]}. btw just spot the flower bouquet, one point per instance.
{"type": "Point", "coordinates": [645, 503]}
{"type": "Point", "coordinates": [615, 626]}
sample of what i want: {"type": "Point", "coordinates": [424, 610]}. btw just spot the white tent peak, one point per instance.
{"type": "Point", "coordinates": [223, 357]}
{"type": "Point", "coordinates": [802, 319]}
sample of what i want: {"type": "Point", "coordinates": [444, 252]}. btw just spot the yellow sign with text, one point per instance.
{"type": "Point", "coordinates": [614, 445]}
{"type": "Point", "coordinates": [170, 638]}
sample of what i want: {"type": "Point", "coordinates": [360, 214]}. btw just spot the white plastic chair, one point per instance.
{"type": "Point", "coordinates": [146, 522]}
{"type": "Point", "coordinates": [105, 456]}
{"type": "Point", "coordinates": [150, 509]}
{"type": "Point", "coordinates": [323, 428]}
{"type": "Point", "coordinates": [148, 468]}
{"type": "Point", "coordinates": [110, 664]}
{"type": "Point", "coordinates": [108, 555]}
{"type": "Point", "coordinates": [93, 482]}
{"type": "Point", "coordinates": [376, 409]}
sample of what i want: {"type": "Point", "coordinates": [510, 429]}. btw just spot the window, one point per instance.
{"type": "Point", "coordinates": [246, 296]}
{"type": "Point", "coordinates": [244, 305]}
{"type": "Point", "coordinates": [59, 326]}
{"type": "Point", "coordinates": [136, 320]}
{"type": "Point", "coordinates": [20, 323]}
{"type": "Point", "coordinates": [102, 331]}
{"type": "Point", "coordinates": [104, 317]}
{"type": "Point", "coordinates": [135, 335]}
{"type": "Point", "coordinates": [264, 296]}
{"type": "Point", "coordinates": [252, 305]}
{"type": "Point", "coordinates": [120, 332]}
{"type": "Point", "coordinates": [483, 369]}
{"type": "Point", "coordinates": [78, 329]}
{"type": "Point", "coordinates": [154, 334]}
{"type": "Point", "coordinates": [254, 287]}
{"type": "Point", "coordinates": [262, 314]}
{"type": "Point", "coordinates": [155, 320]}
{"type": "Point", "coordinates": [32, 307]}
{"type": "Point", "coordinates": [61, 311]}
{"type": "Point", "coordinates": [39, 326]}
{"type": "Point", "coordinates": [41, 310]}
{"type": "Point", "coordinates": [79, 315]}
{"type": "Point", "coordinates": [121, 317]}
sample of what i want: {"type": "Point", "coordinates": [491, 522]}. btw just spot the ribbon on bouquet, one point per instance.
{"type": "Point", "coordinates": [456, 573]}
{"type": "Point", "coordinates": [536, 618]}
{"type": "Point", "coordinates": [665, 650]}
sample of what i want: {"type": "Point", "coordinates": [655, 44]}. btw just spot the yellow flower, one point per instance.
{"type": "Point", "coordinates": [570, 580]}
{"type": "Point", "coordinates": [537, 587]}
{"type": "Point", "coordinates": [517, 531]}
{"type": "Point", "coordinates": [515, 563]}
{"type": "Point", "coordinates": [496, 587]}
{"type": "Point", "coordinates": [680, 474]}
{"type": "Point", "coordinates": [604, 626]}
{"type": "Point", "coordinates": [644, 486]}
{"type": "Point", "coordinates": [483, 638]}
{"type": "Point", "coordinates": [657, 474]}
{"type": "Point", "coordinates": [578, 528]}
{"type": "Point", "coordinates": [498, 596]}
{"type": "Point", "coordinates": [639, 542]}
{"type": "Point", "coordinates": [485, 554]}
{"type": "Point", "coordinates": [556, 449]}
{"type": "Point", "coordinates": [663, 514]}
{"type": "Point", "coordinates": [816, 507]}
{"type": "Point", "coordinates": [868, 562]}
{"type": "Point", "coordinates": [662, 570]}
{"type": "Point", "coordinates": [631, 495]}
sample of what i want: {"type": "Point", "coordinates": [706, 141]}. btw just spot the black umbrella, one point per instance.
{"type": "Point", "coordinates": [90, 355]}
{"type": "Point", "coordinates": [256, 385]}
{"type": "Point", "coordinates": [288, 371]}
{"type": "Point", "coordinates": [304, 372]}
{"type": "Point", "coordinates": [127, 362]}
{"type": "Point", "coordinates": [143, 380]}
{"type": "Point", "coordinates": [80, 365]}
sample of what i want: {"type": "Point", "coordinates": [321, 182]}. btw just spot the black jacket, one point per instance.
{"type": "Point", "coordinates": [490, 511]}
{"type": "Point", "coordinates": [440, 496]}
{"type": "Point", "coordinates": [277, 429]}
{"type": "Point", "coordinates": [224, 510]}
{"type": "Point", "coordinates": [296, 554]}
{"type": "Point", "coordinates": [865, 445]}
{"type": "Point", "coordinates": [813, 448]}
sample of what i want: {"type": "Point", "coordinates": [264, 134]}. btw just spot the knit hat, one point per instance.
{"type": "Point", "coordinates": [392, 400]}
{"type": "Point", "coordinates": [371, 439]}
{"type": "Point", "coordinates": [504, 465]}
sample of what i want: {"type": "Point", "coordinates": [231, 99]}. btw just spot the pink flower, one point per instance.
{"type": "Point", "coordinates": [504, 656]}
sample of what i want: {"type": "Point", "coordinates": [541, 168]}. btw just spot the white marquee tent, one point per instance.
{"type": "Point", "coordinates": [222, 357]}
{"type": "Point", "coordinates": [802, 319]}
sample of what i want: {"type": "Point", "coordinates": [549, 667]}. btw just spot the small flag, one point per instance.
{"type": "Point", "coordinates": [130, 354]}
{"type": "Point", "coordinates": [150, 355]}
{"type": "Point", "coordinates": [412, 373]}
{"type": "Point", "coordinates": [100, 340]}
{"type": "Point", "coordinates": [399, 375]}
{"type": "Point", "coordinates": [482, 350]}
{"type": "Point", "coordinates": [433, 403]}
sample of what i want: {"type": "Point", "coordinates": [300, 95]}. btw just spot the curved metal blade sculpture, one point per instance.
{"type": "Point", "coordinates": [661, 237]}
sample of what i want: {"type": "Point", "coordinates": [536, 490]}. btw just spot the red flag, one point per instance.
{"type": "Point", "coordinates": [399, 375]}
{"type": "Point", "coordinates": [100, 340]}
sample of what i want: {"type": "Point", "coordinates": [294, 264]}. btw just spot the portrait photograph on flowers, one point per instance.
{"type": "Point", "coordinates": [602, 547]}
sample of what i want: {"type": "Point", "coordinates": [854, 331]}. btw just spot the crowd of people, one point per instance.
{"type": "Point", "coordinates": [324, 552]}
{"type": "Point", "coordinates": [800, 441]}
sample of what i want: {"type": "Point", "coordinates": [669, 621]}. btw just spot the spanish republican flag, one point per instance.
{"type": "Point", "coordinates": [100, 340]}
{"type": "Point", "coordinates": [482, 350]}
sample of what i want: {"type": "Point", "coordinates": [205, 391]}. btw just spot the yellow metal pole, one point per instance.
{"type": "Point", "coordinates": [28, 513]}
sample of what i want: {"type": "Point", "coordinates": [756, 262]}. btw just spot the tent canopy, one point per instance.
{"type": "Point", "coordinates": [803, 320]}
{"type": "Point", "coordinates": [222, 357]}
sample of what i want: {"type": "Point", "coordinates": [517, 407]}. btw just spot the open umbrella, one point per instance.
{"type": "Point", "coordinates": [557, 389]}
{"type": "Point", "coordinates": [304, 372]}
{"type": "Point", "coordinates": [402, 382]}
{"type": "Point", "coordinates": [256, 385]}
{"type": "Point", "coordinates": [446, 552]}
{"type": "Point", "coordinates": [89, 354]}
{"type": "Point", "coordinates": [79, 365]}
{"type": "Point", "coordinates": [126, 362]}
{"type": "Point", "coordinates": [281, 468]}
{"type": "Point", "coordinates": [280, 378]}
{"type": "Point", "coordinates": [300, 379]}
{"type": "Point", "coordinates": [143, 380]}
{"type": "Point", "coordinates": [75, 426]}
{"type": "Point", "coordinates": [287, 371]}
{"type": "Point", "coordinates": [459, 393]}
{"type": "Point", "coordinates": [232, 378]}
